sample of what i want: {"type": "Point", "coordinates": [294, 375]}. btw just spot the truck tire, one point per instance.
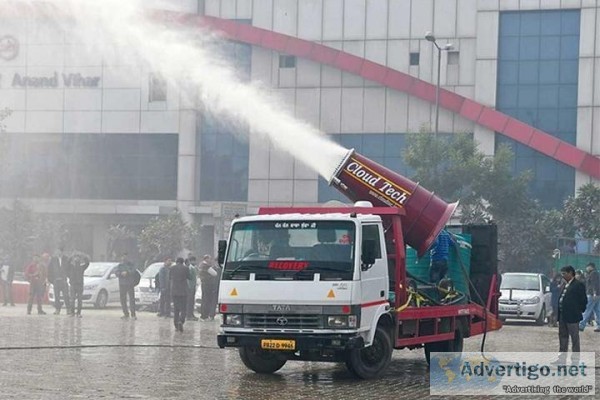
{"type": "Point", "coordinates": [541, 319]}
{"type": "Point", "coordinates": [448, 346]}
{"type": "Point", "coordinates": [368, 362]}
{"type": "Point", "coordinates": [261, 361]}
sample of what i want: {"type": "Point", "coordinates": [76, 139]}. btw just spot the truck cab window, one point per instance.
{"type": "Point", "coordinates": [371, 232]}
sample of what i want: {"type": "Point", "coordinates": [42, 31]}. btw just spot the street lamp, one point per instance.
{"type": "Point", "coordinates": [430, 38]}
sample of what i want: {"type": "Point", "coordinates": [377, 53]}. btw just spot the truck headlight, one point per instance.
{"type": "Point", "coordinates": [533, 300]}
{"type": "Point", "coordinates": [337, 321]}
{"type": "Point", "coordinates": [232, 319]}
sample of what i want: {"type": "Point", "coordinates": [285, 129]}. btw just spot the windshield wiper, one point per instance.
{"type": "Point", "coordinates": [241, 267]}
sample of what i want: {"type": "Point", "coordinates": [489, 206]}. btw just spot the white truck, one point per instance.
{"type": "Point", "coordinates": [330, 284]}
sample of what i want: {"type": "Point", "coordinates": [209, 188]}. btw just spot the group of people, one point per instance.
{"type": "Point", "coordinates": [177, 283]}
{"type": "Point", "coordinates": [64, 273]}
{"type": "Point", "coordinates": [574, 301]}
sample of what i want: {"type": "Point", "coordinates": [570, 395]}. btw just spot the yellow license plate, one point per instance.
{"type": "Point", "coordinates": [271, 344]}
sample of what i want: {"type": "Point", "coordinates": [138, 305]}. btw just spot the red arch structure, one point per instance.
{"type": "Point", "coordinates": [467, 108]}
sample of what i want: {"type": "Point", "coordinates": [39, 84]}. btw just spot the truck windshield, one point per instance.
{"type": "Point", "coordinates": [520, 282]}
{"type": "Point", "coordinates": [287, 247]}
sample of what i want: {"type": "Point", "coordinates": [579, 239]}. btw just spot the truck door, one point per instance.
{"type": "Point", "coordinates": [374, 280]}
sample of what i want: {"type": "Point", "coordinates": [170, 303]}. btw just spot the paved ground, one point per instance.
{"type": "Point", "coordinates": [147, 359]}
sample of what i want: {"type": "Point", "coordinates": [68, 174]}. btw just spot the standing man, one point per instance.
{"type": "Point", "coordinates": [126, 273]}
{"type": "Point", "coordinates": [7, 275]}
{"type": "Point", "coordinates": [440, 252]}
{"type": "Point", "coordinates": [571, 304]}
{"type": "Point", "coordinates": [592, 287]}
{"type": "Point", "coordinates": [78, 266]}
{"type": "Point", "coordinates": [35, 274]}
{"type": "Point", "coordinates": [164, 286]}
{"type": "Point", "coordinates": [57, 275]}
{"type": "Point", "coordinates": [192, 285]}
{"type": "Point", "coordinates": [210, 288]}
{"type": "Point", "coordinates": [180, 274]}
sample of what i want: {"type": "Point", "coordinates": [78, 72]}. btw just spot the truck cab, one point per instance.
{"type": "Point", "coordinates": [306, 287]}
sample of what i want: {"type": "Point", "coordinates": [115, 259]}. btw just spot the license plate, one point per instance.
{"type": "Point", "coordinates": [271, 344]}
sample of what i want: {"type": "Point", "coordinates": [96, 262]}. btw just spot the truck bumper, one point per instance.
{"type": "Point", "coordinates": [303, 342]}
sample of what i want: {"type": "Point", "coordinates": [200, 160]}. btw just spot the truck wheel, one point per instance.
{"type": "Point", "coordinates": [368, 362]}
{"type": "Point", "coordinates": [448, 346]}
{"type": "Point", "coordinates": [542, 318]}
{"type": "Point", "coordinates": [261, 361]}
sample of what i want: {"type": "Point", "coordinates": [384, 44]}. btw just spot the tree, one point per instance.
{"type": "Point", "coordinates": [165, 235]}
{"type": "Point", "coordinates": [455, 169]}
{"type": "Point", "coordinates": [118, 236]}
{"type": "Point", "coordinates": [584, 211]}
{"type": "Point", "coordinates": [17, 233]}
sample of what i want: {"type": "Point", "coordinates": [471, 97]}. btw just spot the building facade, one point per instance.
{"type": "Point", "coordinates": [120, 145]}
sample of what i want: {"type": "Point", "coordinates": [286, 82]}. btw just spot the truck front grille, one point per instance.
{"type": "Point", "coordinates": [286, 321]}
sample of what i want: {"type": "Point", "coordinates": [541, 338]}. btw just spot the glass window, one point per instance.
{"type": "Point", "coordinates": [224, 155]}
{"type": "Point", "coordinates": [546, 86]}
{"type": "Point", "coordinates": [569, 47]}
{"type": "Point", "coordinates": [528, 96]}
{"type": "Point", "coordinates": [550, 23]}
{"type": "Point", "coordinates": [528, 72]}
{"type": "Point", "coordinates": [508, 96]}
{"type": "Point", "coordinates": [509, 48]}
{"type": "Point", "coordinates": [568, 95]}
{"type": "Point", "coordinates": [530, 23]}
{"type": "Point", "coordinates": [508, 72]}
{"type": "Point", "coordinates": [373, 145]}
{"type": "Point", "coordinates": [549, 72]}
{"type": "Point", "coordinates": [548, 96]}
{"type": "Point", "coordinates": [286, 61]}
{"type": "Point", "coordinates": [570, 22]}
{"type": "Point", "coordinates": [510, 23]}
{"type": "Point", "coordinates": [414, 58]}
{"type": "Point", "coordinates": [550, 47]}
{"type": "Point", "coordinates": [371, 232]}
{"type": "Point", "coordinates": [569, 71]}
{"type": "Point", "coordinates": [548, 120]}
{"type": "Point", "coordinates": [529, 48]}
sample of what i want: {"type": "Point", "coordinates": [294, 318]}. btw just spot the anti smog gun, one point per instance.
{"type": "Point", "coordinates": [349, 284]}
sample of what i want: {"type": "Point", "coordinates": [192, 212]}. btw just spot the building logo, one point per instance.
{"type": "Point", "coordinates": [9, 47]}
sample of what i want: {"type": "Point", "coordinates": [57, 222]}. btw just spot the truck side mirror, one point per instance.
{"type": "Point", "coordinates": [367, 257]}
{"type": "Point", "coordinates": [221, 251]}
{"type": "Point", "coordinates": [547, 289]}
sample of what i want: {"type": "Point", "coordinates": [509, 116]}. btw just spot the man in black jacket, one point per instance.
{"type": "Point", "coordinates": [78, 267]}
{"type": "Point", "coordinates": [571, 304]}
{"type": "Point", "coordinates": [179, 276]}
{"type": "Point", "coordinates": [57, 275]}
{"type": "Point", "coordinates": [592, 286]}
{"type": "Point", "coordinates": [125, 272]}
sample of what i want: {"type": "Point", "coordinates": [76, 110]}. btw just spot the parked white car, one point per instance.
{"type": "Point", "coordinates": [525, 296]}
{"type": "Point", "coordinates": [146, 293]}
{"type": "Point", "coordinates": [100, 285]}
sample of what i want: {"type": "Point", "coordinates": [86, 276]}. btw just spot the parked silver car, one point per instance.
{"type": "Point", "coordinates": [525, 296]}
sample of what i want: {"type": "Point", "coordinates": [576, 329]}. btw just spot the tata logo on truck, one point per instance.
{"type": "Point", "coordinates": [390, 191]}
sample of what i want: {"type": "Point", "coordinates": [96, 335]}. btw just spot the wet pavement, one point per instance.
{"type": "Point", "coordinates": [102, 356]}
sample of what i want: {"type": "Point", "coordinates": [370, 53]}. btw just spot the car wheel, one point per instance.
{"type": "Point", "coordinates": [542, 317]}
{"type": "Point", "coordinates": [102, 299]}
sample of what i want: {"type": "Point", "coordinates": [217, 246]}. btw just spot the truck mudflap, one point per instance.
{"type": "Point", "coordinates": [291, 342]}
